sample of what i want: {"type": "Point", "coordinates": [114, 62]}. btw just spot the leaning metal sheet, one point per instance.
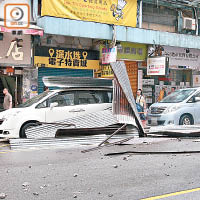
{"type": "Point", "coordinates": [120, 72]}
{"type": "Point", "coordinates": [65, 82]}
{"type": "Point", "coordinates": [121, 107]}
{"type": "Point", "coordinates": [92, 120]}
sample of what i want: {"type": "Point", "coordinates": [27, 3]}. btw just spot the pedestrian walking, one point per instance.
{"type": "Point", "coordinates": [7, 103]}
{"type": "Point", "coordinates": [45, 88]}
{"type": "Point", "coordinates": [141, 106]}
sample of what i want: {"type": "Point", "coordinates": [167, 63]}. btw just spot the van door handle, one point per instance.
{"type": "Point", "coordinates": [77, 110]}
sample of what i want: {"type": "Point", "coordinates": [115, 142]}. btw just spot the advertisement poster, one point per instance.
{"type": "Point", "coordinates": [109, 55]}
{"type": "Point", "coordinates": [156, 66]}
{"type": "Point", "coordinates": [118, 12]}
{"type": "Point", "coordinates": [196, 80]}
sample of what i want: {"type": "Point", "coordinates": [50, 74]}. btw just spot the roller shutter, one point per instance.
{"type": "Point", "coordinates": [42, 71]}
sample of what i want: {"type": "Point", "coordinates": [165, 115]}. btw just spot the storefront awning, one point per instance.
{"type": "Point", "coordinates": [32, 30]}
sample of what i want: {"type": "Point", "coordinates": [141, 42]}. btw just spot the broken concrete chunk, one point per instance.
{"type": "Point", "coordinates": [115, 166]}
{"type": "Point", "coordinates": [75, 175]}
{"type": "Point", "coordinates": [2, 195]}
{"type": "Point", "coordinates": [25, 184]}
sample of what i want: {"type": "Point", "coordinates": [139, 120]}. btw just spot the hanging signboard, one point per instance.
{"type": "Point", "coordinates": [109, 55]}
{"type": "Point", "coordinates": [156, 66]}
{"type": "Point", "coordinates": [66, 58]}
{"type": "Point", "coordinates": [119, 12]}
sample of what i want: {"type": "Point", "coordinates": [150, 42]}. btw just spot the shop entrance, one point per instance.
{"type": "Point", "coordinates": [14, 85]}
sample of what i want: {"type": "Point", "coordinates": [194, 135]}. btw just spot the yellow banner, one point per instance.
{"type": "Point", "coordinates": [118, 12]}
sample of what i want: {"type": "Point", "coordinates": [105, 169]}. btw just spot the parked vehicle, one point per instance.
{"type": "Point", "coordinates": [51, 106]}
{"type": "Point", "coordinates": [181, 107]}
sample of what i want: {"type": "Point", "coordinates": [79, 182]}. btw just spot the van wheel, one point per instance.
{"type": "Point", "coordinates": [25, 127]}
{"type": "Point", "coordinates": [186, 120]}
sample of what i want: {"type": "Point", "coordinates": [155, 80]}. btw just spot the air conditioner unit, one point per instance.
{"type": "Point", "coordinates": [189, 23]}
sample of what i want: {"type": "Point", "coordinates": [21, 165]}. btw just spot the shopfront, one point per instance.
{"type": "Point", "coordinates": [15, 55]}
{"type": "Point", "coordinates": [57, 61]}
{"type": "Point", "coordinates": [131, 54]}
{"type": "Point", "coordinates": [181, 68]}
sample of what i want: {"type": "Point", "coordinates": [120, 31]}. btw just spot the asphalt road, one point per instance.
{"type": "Point", "coordinates": [67, 173]}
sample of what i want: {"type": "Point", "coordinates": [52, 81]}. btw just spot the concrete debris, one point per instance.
{"type": "Point", "coordinates": [2, 195]}
{"type": "Point", "coordinates": [74, 196]}
{"type": "Point", "coordinates": [176, 130]}
{"type": "Point", "coordinates": [167, 175]}
{"type": "Point", "coordinates": [125, 158]}
{"type": "Point", "coordinates": [35, 193]}
{"type": "Point", "coordinates": [25, 184]}
{"type": "Point", "coordinates": [75, 175]}
{"type": "Point", "coordinates": [115, 166]}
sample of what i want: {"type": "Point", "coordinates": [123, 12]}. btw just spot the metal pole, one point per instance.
{"type": "Point", "coordinates": [16, 90]}
{"type": "Point", "coordinates": [140, 15]}
{"type": "Point", "coordinates": [112, 135]}
{"type": "Point", "coordinates": [108, 145]}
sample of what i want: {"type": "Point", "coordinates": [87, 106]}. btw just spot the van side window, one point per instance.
{"type": "Point", "coordinates": [93, 97]}
{"type": "Point", "coordinates": [63, 99]}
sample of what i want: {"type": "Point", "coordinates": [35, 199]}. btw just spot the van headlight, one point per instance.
{"type": "Point", "coordinates": [171, 109]}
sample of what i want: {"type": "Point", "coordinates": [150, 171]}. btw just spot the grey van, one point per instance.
{"type": "Point", "coordinates": [181, 107]}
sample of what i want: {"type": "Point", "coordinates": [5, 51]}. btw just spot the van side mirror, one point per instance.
{"type": "Point", "coordinates": [196, 99]}
{"type": "Point", "coordinates": [52, 105]}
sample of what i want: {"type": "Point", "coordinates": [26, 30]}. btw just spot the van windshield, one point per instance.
{"type": "Point", "coordinates": [178, 96]}
{"type": "Point", "coordinates": [33, 100]}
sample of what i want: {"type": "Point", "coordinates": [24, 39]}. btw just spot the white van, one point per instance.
{"type": "Point", "coordinates": [52, 106]}
{"type": "Point", "coordinates": [182, 107]}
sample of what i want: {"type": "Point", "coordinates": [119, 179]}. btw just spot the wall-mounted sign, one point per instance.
{"type": "Point", "coordinates": [15, 49]}
{"type": "Point", "coordinates": [105, 71]}
{"type": "Point", "coordinates": [156, 66]}
{"type": "Point", "coordinates": [109, 55]}
{"type": "Point", "coordinates": [130, 51]}
{"type": "Point", "coordinates": [119, 12]}
{"type": "Point", "coordinates": [187, 58]}
{"type": "Point", "coordinates": [66, 58]}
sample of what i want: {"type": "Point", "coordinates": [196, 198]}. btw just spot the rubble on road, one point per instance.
{"type": "Point", "coordinates": [3, 195]}
{"type": "Point", "coordinates": [176, 130]}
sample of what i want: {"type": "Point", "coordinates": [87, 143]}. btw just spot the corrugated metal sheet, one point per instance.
{"type": "Point", "coordinates": [92, 120]}
{"type": "Point", "coordinates": [121, 107]}
{"type": "Point", "coordinates": [119, 69]}
{"type": "Point", "coordinates": [43, 71]}
{"type": "Point", "coordinates": [55, 143]}
{"type": "Point", "coordinates": [68, 82]}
